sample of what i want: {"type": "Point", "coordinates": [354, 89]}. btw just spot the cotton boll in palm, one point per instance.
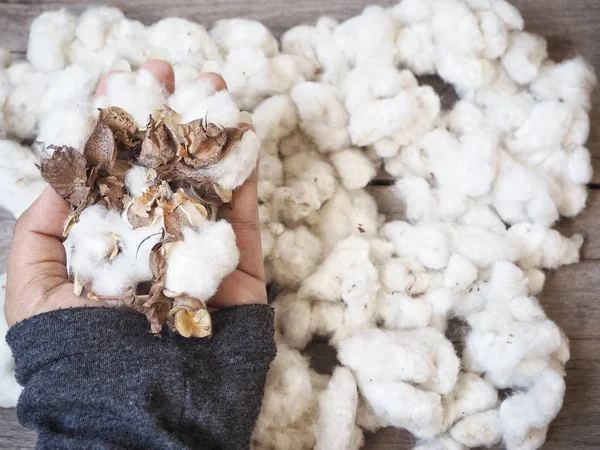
{"type": "Point", "coordinates": [400, 311]}
{"type": "Point", "coordinates": [235, 168]}
{"type": "Point", "coordinates": [532, 410]}
{"type": "Point", "coordinates": [416, 48]}
{"type": "Point", "coordinates": [353, 167]}
{"type": "Point", "coordinates": [322, 114]}
{"type": "Point", "coordinates": [139, 93]}
{"type": "Point", "coordinates": [571, 81]}
{"type": "Point", "coordinates": [183, 39]}
{"type": "Point", "coordinates": [72, 86]}
{"type": "Point", "coordinates": [425, 242]}
{"type": "Point", "coordinates": [66, 125]}
{"type": "Point", "coordinates": [544, 248]}
{"type": "Point", "coordinates": [136, 180]}
{"type": "Point", "coordinates": [275, 118]}
{"type": "Point", "coordinates": [471, 394]}
{"type": "Point", "coordinates": [21, 180]}
{"type": "Point", "coordinates": [337, 412]}
{"type": "Point", "coordinates": [524, 56]}
{"type": "Point", "coordinates": [509, 14]}
{"type": "Point", "coordinates": [197, 253]}
{"type": "Point", "coordinates": [293, 319]}
{"type": "Point", "coordinates": [242, 33]}
{"type": "Point", "coordinates": [49, 36]}
{"type": "Point", "coordinates": [347, 213]}
{"type": "Point", "coordinates": [369, 37]}
{"type": "Point", "coordinates": [199, 100]}
{"type": "Point", "coordinates": [9, 388]}
{"type": "Point", "coordinates": [460, 273]}
{"type": "Point", "coordinates": [483, 429]}
{"type": "Point", "coordinates": [295, 256]}
{"type": "Point", "coordinates": [404, 406]}
{"type": "Point", "coordinates": [495, 34]}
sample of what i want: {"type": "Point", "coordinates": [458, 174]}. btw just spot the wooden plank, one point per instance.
{"type": "Point", "coordinates": [7, 222]}
{"type": "Point", "coordinates": [587, 223]}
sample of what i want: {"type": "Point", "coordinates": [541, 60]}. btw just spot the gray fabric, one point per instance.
{"type": "Point", "coordinates": [96, 378]}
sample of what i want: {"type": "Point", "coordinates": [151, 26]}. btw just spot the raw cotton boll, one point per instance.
{"type": "Point", "coordinates": [183, 39]}
{"type": "Point", "coordinates": [275, 118]}
{"type": "Point", "coordinates": [9, 388]}
{"type": "Point", "coordinates": [329, 319]}
{"type": "Point", "coordinates": [21, 180]}
{"type": "Point", "coordinates": [136, 180]}
{"type": "Point", "coordinates": [347, 213]}
{"type": "Point", "coordinates": [296, 142]}
{"type": "Point", "coordinates": [460, 273]}
{"type": "Point", "coordinates": [509, 113]}
{"type": "Point", "coordinates": [495, 34]}
{"type": "Point", "coordinates": [312, 169]}
{"type": "Point", "coordinates": [270, 168]}
{"type": "Point", "coordinates": [404, 406]}
{"type": "Point", "coordinates": [571, 81]}
{"type": "Point", "coordinates": [427, 243]}
{"type": "Point", "coordinates": [368, 83]}
{"type": "Point", "coordinates": [467, 166]}
{"type": "Point", "coordinates": [199, 100]}
{"type": "Point", "coordinates": [400, 311]}
{"type": "Point", "coordinates": [369, 37]}
{"type": "Point", "coordinates": [483, 429]}
{"type": "Point", "coordinates": [499, 89]}
{"type": "Point", "coordinates": [296, 202]}
{"type": "Point", "coordinates": [235, 168]}
{"type": "Point", "coordinates": [441, 443]}
{"type": "Point", "coordinates": [483, 216]}
{"type": "Point", "coordinates": [296, 255]}
{"type": "Point", "coordinates": [483, 247]}
{"type": "Point", "coordinates": [130, 39]}
{"type": "Point", "coordinates": [535, 281]}
{"type": "Point", "coordinates": [411, 11]}
{"type": "Point", "coordinates": [579, 131]}
{"type": "Point", "coordinates": [574, 198]}
{"type": "Point", "coordinates": [544, 248]}
{"type": "Point", "coordinates": [337, 412]}
{"type": "Point", "coordinates": [93, 25]}
{"type": "Point", "coordinates": [49, 36]}
{"type": "Point", "coordinates": [465, 117]}
{"type": "Point", "coordinates": [67, 125]}
{"type": "Point", "coordinates": [196, 254]}
{"type": "Point", "coordinates": [385, 148]}
{"type": "Point", "coordinates": [353, 167]}
{"type": "Point", "coordinates": [72, 86]}
{"type": "Point", "coordinates": [416, 48]}
{"type": "Point", "coordinates": [293, 319]}
{"type": "Point", "coordinates": [509, 14]}
{"type": "Point", "coordinates": [380, 251]}
{"type": "Point", "coordinates": [140, 94]}
{"type": "Point", "coordinates": [396, 277]}
{"type": "Point", "coordinates": [419, 199]}
{"type": "Point", "coordinates": [411, 160]}
{"type": "Point", "coordinates": [366, 418]}
{"type": "Point", "coordinates": [532, 410]}
{"type": "Point", "coordinates": [230, 34]}
{"type": "Point", "coordinates": [506, 281]}
{"type": "Point", "coordinates": [323, 116]}
{"type": "Point", "coordinates": [524, 57]}
{"type": "Point", "coordinates": [521, 195]}
{"type": "Point", "coordinates": [456, 29]}
{"type": "Point", "coordinates": [471, 394]}
{"type": "Point", "coordinates": [185, 75]}
{"type": "Point", "coordinates": [467, 74]}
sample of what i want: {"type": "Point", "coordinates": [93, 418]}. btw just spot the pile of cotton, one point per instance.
{"type": "Point", "coordinates": [481, 181]}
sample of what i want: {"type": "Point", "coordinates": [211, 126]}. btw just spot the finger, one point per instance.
{"type": "Point", "coordinates": [214, 80]}
{"type": "Point", "coordinates": [162, 71]}
{"type": "Point", "coordinates": [242, 213]}
{"type": "Point", "coordinates": [102, 87]}
{"type": "Point", "coordinates": [239, 288]}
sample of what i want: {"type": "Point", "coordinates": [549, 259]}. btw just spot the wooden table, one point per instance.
{"type": "Point", "coordinates": [571, 294]}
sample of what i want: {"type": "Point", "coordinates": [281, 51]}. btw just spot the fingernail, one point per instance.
{"type": "Point", "coordinates": [120, 65]}
{"type": "Point", "coordinates": [211, 66]}
{"type": "Point", "coordinates": [245, 117]}
{"type": "Point", "coordinates": [158, 53]}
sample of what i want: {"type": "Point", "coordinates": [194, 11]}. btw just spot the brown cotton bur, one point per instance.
{"type": "Point", "coordinates": [100, 148]}
{"type": "Point", "coordinates": [159, 146]}
{"type": "Point", "coordinates": [65, 171]}
{"type": "Point", "coordinates": [121, 123]}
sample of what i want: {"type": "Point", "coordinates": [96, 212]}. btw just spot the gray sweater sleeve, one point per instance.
{"type": "Point", "coordinates": [96, 378]}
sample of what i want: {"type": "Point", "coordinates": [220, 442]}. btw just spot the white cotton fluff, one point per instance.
{"type": "Point", "coordinates": [93, 239]}
{"type": "Point", "coordinates": [231, 34]}
{"type": "Point", "coordinates": [524, 57]}
{"type": "Point", "coordinates": [295, 255]}
{"type": "Point", "coordinates": [400, 311]}
{"type": "Point", "coordinates": [275, 118]}
{"type": "Point", "coordinates": [482, 429]}
{"type": "Point", "coordinates": [21, 179]}
{"type": "Point", "coordinates": [48, 38]}
{"type": "Point", "coordinates": [196, 254]}
{"type": "Point", "coordinates": [337, 412]}
{"type": "Point", "coordinates": [9, 388]}
{"type": "Point", "coordinates": [471, 395]}
{"type": "Point", "coordinates": [136, 180]}
{"type": "Point", "coordinates": [293, 319]}
{"type": "Point", "coordinates": [354, 168]}
{"type": "Point", "coordinates": [322, 115]}
{"type": "Point", "coordinates": [460, 273]}
{"type": "Point", "coordinates": [416, 48]}
{"type": "Point", "coordinates": [138, 93]}
{"type": "Point", "coordinates": [68, 125]}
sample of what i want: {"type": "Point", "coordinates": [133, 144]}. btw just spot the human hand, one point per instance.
{"type": "Point", "coordinates": [37, 279]}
